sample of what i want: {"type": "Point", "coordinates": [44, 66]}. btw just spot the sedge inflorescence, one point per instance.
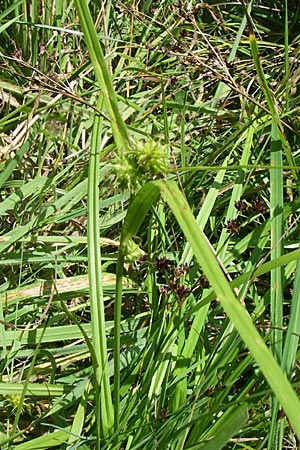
{"type": "Point", "coordinates": [143, 162]}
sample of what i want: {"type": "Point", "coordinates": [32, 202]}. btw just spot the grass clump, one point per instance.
{"type": "Point", "coordinates": [149, 216]}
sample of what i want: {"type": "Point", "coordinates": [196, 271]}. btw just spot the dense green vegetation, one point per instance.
{"type": "Point", "coordinates": [149, 242]}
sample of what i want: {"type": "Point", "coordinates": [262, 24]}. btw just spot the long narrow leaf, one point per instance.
{"type": "Point", "coordinates": [104, 79]}
{"type": "Point", "coordinates": [104, 413]}
{"type": "Point", "coordinates": [237, 313]}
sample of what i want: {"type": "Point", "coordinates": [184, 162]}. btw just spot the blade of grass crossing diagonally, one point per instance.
{"type": "Point", "coordinates": [190, 343]}
{"type": "Point", "coordinates": [64, 201]}
{"type": "Point", "coordinates": [103, 76]}
{"type": "Point", "coordinates": [250, 275]}
{"type": "Point", "coordinates": [236, 312]}
{"type": "Point", "coordinates": [104, 411]}
{"type": "Point", "coordinates": [13, 163]}
{"type": "Point", "coordinates": [30, 188]}
{"type": "Point", "coordinates": [7, 12]}
{"type": "Point", "coordinates": [46, 441]}
{"type": "Point", "coordinates": [11, 8]}
{"type": "Point", "coordinates": [206, 258]}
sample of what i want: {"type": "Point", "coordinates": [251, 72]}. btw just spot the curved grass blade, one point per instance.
{"type": "Point", "coordinates": [205, 254]}
{"type": "Point", "coordinates": [103, 76]}
{"type": "Point", "coordinates": [236, 312]}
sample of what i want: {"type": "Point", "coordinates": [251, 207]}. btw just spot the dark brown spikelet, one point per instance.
{"type": "Point", "coordinates": [165, 291]}
{"type": "Point", "coordinates": [181, 270]}
{"type": "Point", "coordinates": [233, 226]}
{"type": "Point", "coordinates": [203, 282]}
{"type": "Point", "coordinates": [241, 206]}
{"type": "Point", "coordinates": [259, 205]}
{"type": "Point", "coordinates": [182, 291]}
{"type": "Point", "coordinates": [163, 264]}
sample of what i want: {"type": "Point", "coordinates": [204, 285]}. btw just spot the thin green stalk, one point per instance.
{"type": "Point", "coordinates": [276, 207]}
{"type": "Point", "coordinates": [128, 231]}
{"type": "Point", "coordinates": [117, 336]}
{"type": "Point", "coordinates": [293, 332]}
{"type": "Point", "coordinates": [268, 95]}
{"type": "Point", "coordinates": [58, 22]}
{"type": "Point", "coordinates": [13, 430]}
{"type": "Point", "coordinates": [104, 405]}
{"type": "Point", "coordinates": [34, 42]}
{"type": "Point", "coordinates": [103, 76]}
{"type": "Point", "coordinates": [165, 114]}
{"type": "Point", "coordinates": [286, 55]}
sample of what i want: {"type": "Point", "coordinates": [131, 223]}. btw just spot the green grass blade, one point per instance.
{"type": "Point", "coordinates": [293, 332]}
{"type": "Point", "coordinates": [237, 190]}
{"type": "Point", "coordinates": [276, 207]}
{"type": "Point", "coordinates": [223, 89]}
{"type": "Point", "coordinates": [136, 213]}
{"type": "Point", "coordinates": [206, 210]}
{"type": "Point", "coordinates": [236, 312]}
{"type": "Point", "coordinates": [224, 429]}
{"type": "Point", "coordinates": [103, 76]}
{"type": "Point", "coordinates": [276, 300]}
{"type": "Point", "coordinates": [45, 442]}
{"type": "Point", "coordinates": [206, 258]}
{"type": "Point", "coordinates": [269, 97]}
{"type": "Point", "coordinates": [286, 55]}
{"type": "Point", "coordinates": [78, 422]}
{"type": "Point", "coordinates": [8, 24]}
{"type": "Point", "coordinates": [13, 163]}
{"type": "Point", "coordinates": [104, 407]}
{"type": "Point", "coordinates": [30, 188]}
